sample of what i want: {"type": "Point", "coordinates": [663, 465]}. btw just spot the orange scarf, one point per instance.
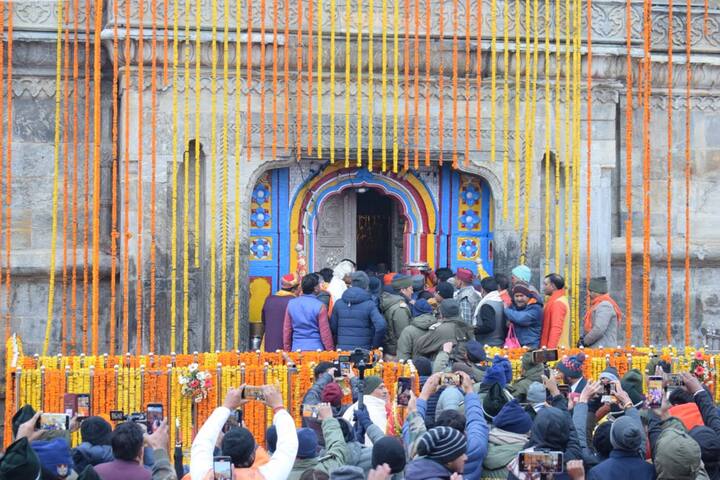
{"type": "Point", "coordinates": [593, 306]}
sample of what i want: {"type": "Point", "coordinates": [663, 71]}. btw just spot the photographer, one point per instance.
{"type": "Point", "coordinates": [239, 444]}
{"type": "Point", "coordinates": [324, 375]}
{"type": "Point", "coordinates": [336, 451]}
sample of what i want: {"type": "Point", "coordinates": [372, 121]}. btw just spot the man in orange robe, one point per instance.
{"type": "Point", "coordinates": [556, 327]}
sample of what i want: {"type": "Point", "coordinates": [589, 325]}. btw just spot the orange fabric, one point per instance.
{"type": "Point", "coordinates": [388, 277]}
{"type": "Point", "coordinates": [505, 298]}
{"type": "Point", "coordinates": [594, 304]}
{"type": "Point", "coordinates": [688, 413]}
{"type": "Point", "coordinates": [555, 317]}
{"type": "Point", "coordinates": [252, 473]}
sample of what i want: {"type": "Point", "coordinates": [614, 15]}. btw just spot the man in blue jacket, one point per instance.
{"type": "Point", "coordinates": [356, 321]}
{"type": "Point", "coordinates": [526, 314]}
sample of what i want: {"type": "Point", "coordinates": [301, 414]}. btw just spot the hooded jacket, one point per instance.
{"type": "Point", "coordinates": [502, 448]}
{"type": "Point", "coordinates": [397, 315]}
{"type": "Point", "coordinates": [406, 347]}
{"type": "Point", "coordinates": [452, 329]}
{"type": "Point", "coordinates": [708, 437]}
{"type": "Point", "coordinates": [88, 454]}
{"type": "Point", "coordinates": [676, 456]}
{"type": "Point", "coordinates": [425, 469]}
{"type": "Point", "coordinates": [335, 455]}
{"type": "Point", "coordinates": [519, 388]}
{"type": "Point", "coordinates": [527, 321]}
{"type": "Point", "coordinates": [356, 321]}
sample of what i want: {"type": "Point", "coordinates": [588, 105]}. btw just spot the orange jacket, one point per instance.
{"type": "Point", "coordinates": [688, 413]}
{"type": "Point", "coordinates": [555, 321]}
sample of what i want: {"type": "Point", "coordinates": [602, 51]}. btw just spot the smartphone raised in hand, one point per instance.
{"type": "Point", "coordinates": [404, 387]}
{"type": "Point", "coordinates": [655, 391]}
{"type": "Point", "coordinates": [222, 468]}
{"type": "Point", "coordinates": [545, 355]}
{"type": "Point", "coordinates": [541, 462]}
{"type": "Point", "coordinates": [154, 416]}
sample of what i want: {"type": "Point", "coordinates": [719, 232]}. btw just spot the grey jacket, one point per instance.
{"type": "Point", "coordinates": [604, 327]}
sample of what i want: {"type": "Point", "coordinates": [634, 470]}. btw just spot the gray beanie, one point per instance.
{"type": "Point", "coordinates": [449, 308]}
{"type": "Point", "coordinates": [626, 434]}
{"type": "Point", "coordinates": [360, 280]}
{"type": "Point", "coordinates": [536, 393]}
{"type": "Point", "coordinates": [418, 283]}
{"type": "Point", "coordinates": [347, 472]}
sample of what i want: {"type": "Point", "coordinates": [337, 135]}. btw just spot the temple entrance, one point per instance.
{"type": "Point", "coordinates": [362, 224]}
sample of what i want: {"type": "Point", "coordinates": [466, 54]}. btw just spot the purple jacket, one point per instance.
{"type": "Point", "coordinates": [306, 325]}
{"type": "Point", "coordinates": [122, 470]}
{"type": "Point", "coordinates": [273, 317]}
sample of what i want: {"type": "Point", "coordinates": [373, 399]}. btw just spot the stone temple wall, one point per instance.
{"type": "Point", "coordinates": [33, 90]}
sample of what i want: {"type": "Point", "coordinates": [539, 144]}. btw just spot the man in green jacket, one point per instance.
{"type": "Point", "coordinates": [336, 451]}
{"type": "Point", "coordinates": [419, 327]}
{"type": "Point", "coordinates": [530, 372]}
{"type": "Point", "coordinates": [451, 328]}
{"type": "Point", "coordinates": [395, 307]}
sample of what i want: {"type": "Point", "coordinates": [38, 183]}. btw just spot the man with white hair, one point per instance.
{"type": "Point", "coordinates": [341, 279]}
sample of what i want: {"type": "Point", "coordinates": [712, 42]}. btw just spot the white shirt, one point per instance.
{"type": "Point", "coordinates": [280, 464]}
{"type": "Point", "coordinates": [376, 409]}
{"type": "Point", "coordinates": [336, 288]}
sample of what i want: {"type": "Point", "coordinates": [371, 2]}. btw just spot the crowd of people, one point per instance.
{"type": "Point", "coordinates": [416, 313]}
{"type": "Point", "coordinates": [471, 420]}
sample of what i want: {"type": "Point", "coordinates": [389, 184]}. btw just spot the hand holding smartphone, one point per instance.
{"type": "Point", "coordinates": [222, 468]}
{"type": "Point", "coordinates": [404, 387]}
{"type": "Point", "coordinates": [655, 392]}
{"type": "Point", "coordinates": [154, 416]}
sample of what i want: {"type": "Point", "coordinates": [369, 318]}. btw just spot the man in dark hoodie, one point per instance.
{"type": "Point", "coordinates": [356, 321]}
{"type": "Point", "coordinates": [442, 452]}
{"type": "Point", "coordinates": [420, 325]}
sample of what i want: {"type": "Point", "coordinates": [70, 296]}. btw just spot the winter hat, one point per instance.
{"type": "Point", "coordinates": [96, 431]}
{"type": "Point", "coordinates": [89, 474]}
{"type": "Point", "coordinates": [343, 269]}
{"type": "Point", "coordinates": [418, 283]}
{"type": "Point", "coordinates": [442, 444]}
{"type": "Point", "coordinates": [522, 272]}
{"type": "Point", "coordinates": [494, 401]}
{"type": "Point", "coordinates": [423, 365]}
{"type": "Point", "coordinates": [495, 374]}
{"type": "Point", "coordinates": [526, 361]}
{"type": "Point", "coordinates": [19, 461]}
{"type": "Point", "coordinates": [512, 418]}
{"type": "Point", "coordinates": [709, 444]}
{"type": "Point", "coordinates": [271, 439]}
{"type": "Point", "coordinates": [307, 443]}
{"type": "Point", "coordinates": [445, 290]}
{"type": "Point", "coordinates": [551, 429]}
{"type": "Point", "coordinates": [449, 308]}
{"type": "Point", "coordinates": [475, 351]}
{"type": "Point", "coordinates": [375, 286]}
{"type": "Point", "coordinates": [536, 393]}
{"type": "Point", "coordinates": [389, 450]}
{"type": "Point", "coordinates": [523, 288]}
{"type": "Point", "coordinates": [465, 275]}
{"type": "Point", "coordinates": [371, 384]}
{"type": "Point", "coordinates": [239, 444]}
{"type": "Point", "coordinates": [571, 366]}
{"type": "Point", "coordinates": [421, 307]}
{"type": "Point", "coordinates": [626, 434]}
{"type": "Point", "coordinates": [289, 281]}
{"type": "Point", "coordinates": [25, 413]}
{"type": "Point", "coordinates": [360, 280]}
{"type": "Point", "coordinates": [332, 394]}
{"type": "Point", "coordinates": [347, 472]}
{"type": "Point", "coordinates": [632, 384]}
{"type": "Point", "coordinates": [610, 373]}
{"type": "Point", "coordinates": [54, 454]}
{"type": "Point", "coordinates": [506, 366]}
{"type": "Point", "coordinates": [601, 439]}
{"type": "Point", "coordinates": [598, 285]}
{"type": "Point", "coordinates": [401, 281]}
{"type": "Point", "coordinates": [677, 455]}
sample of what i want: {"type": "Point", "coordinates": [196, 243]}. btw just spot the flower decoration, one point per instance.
{"type": "Point", "coordinates": [469, 219]}
{"type": "Point", "coordinates": [260, 248]}
{"type": "Point", "coordinates": [260, 217]}
{"type": "Point", "coordinates": [260, 194]}
{"type": "Point", "coordinates": [468, 248]}
{"type": "Point", "coordinates": [702, 369]}
{"type": "Point", "coordinates": [196, 383]}
{"type": "Point", "coordinates": [470, 195]}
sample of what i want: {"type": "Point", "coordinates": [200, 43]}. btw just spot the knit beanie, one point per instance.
{"type": "Point", "coordinates": [442, 444]}
{"type": "Point", "coordinates": [523, 288]}
{"type": "Point", "coordinates": [375, 286]}
{"type": "Point", "coordinates": [389, 450]}
{"type": "Point", "coordinates": [360, 280]}
{"type": "Point", "coordinates": [504, 363]}
{"type": "Point", "coordinates": [238, 444]}
{"type": "Point", "coordinates": [371, 384]}
{"type": "Point", "coordinates": [53, 453]}
{"type": "Point", "coordinates": [522, 272]}
{"type": "Point", "coordinates": [307, 443]}
{"type": "Point", "coordinates": [95, 431]}
{"type": "Point", "coordinates": [610, 373]}
{"type": "Point", "coordinates": [512, 418]}
{"type": "Point", "coordinates": [526, 361]}
{"type": "Point", "coordinates": [19, 461]}
{"type": "Point", "coordinates": [633, 386]}
{"type": "Point", "coordinates": [445, 290]}
{"type": "Point", "coordinates": [401, 281]}
{"type": "Point", "coordinates": [598, 285]}
{"type": "Point", "coordinates": [465, 275]}
{"type": "Point", "coordinates": [475, 351]}
{"type": "Point", "coordinates": [495, 374]}
{"type": "Point", "coordinates": [571, 366]}
{"type": "Point", "coordinates": [25, 413]}
{"type": "Point", "coordinates": [421, 307]}
{"type": "Point", "coordinates": [536, 393]}
{"type": "Point", "coordinates": [626, 434]}
{"type": "Point", "coordinates": [332, 394]}
{"type": "Point", "coordinates": [418, 283]}
{"type": "Point", "coordinates": [494, 401]}
{"type": "Point", "coordinates": [449, 308]}
{"type": "Point", "coordinates": [423, 365]}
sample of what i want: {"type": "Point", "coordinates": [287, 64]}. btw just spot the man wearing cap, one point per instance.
{"type": "Point", "coordinates": [356, 321]}
{"type": "Point", "coordinates": [466, 295]}
{"type": "Point", "coordinates": [475, 359]}
{"type": "Point", "coordinates": [273, 311]}
{"type": "Point", "coordinates": [308, 455]}
{"type": "Point", "coordinates": [442, 452]}
{"type": "Point", "coordinates": [375, 397]}
{"type": "Point", "coordinates": [603, 316]}
{"type": "Point", "coordinates": [395, 308]}
{"type": "Point", "coordinates": [571, 369]}
{"type": "Point", "coordinates": [420, 325]}
{"type": "Point", "coordinates": [526, 315]}
{"type": "Point", "coordinates": [450, 328]}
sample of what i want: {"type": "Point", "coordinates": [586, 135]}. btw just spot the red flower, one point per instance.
{"type": "Point", "coordinates": [194, 384]}
{"type": "Point", "coordinates": [699, 355]}
{"type": "Point", "coordinates": [208, 383]}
